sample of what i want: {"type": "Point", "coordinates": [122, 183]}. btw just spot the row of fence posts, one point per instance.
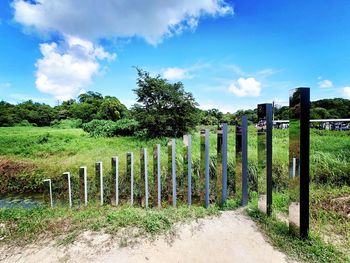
{"type": "Point", "coordinates": [221, 184]}
{"type": "Point", "coordinates": [299, 144]}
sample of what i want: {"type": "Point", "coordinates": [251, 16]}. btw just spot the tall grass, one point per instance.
{"type": "Point", "coordinates": [54, 151]}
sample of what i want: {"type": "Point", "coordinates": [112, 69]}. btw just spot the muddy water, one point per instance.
{"type": "Point", "coordinates": [25, 201]}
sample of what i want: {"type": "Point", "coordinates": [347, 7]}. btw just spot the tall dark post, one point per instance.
{"type": "Point", "coordinates": [238, 168]}
{"type": "Point", "coordinates": [299, 150]}
{"type": "Point", "coordinates": [264, 141]}
{"type": "Point", "coordinates": [202, 167]}
{"type": "Point", "coordinates": [221, 182]}
{"type": "Point", "coordinates": [241, 178]}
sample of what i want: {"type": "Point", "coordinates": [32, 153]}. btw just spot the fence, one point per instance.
{"type": "Point", "coordinates": [298, 168]}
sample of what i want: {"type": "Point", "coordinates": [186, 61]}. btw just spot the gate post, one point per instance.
{"type": "Point", "coordinates": [241, 177]}
{"type": "Point", "coordinates": [83, 185]}
{"type": "Point", "coordinates": [130, 174]}
{"type": "Point", "coordinates": [157, 176]}
{"type": "Point", "coordinates": [115, 180]}
{"type": "Point", "coordinates": [264, 144]}
{"type": "Point", "coordinates": [187, 168]}
{"type": "Point", "coordinates": [221, 182]}
{"type": "Point", "coordinates": [299, 154]}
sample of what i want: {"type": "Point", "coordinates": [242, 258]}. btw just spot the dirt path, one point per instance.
{"type": "Point", "coordinates": [232, 237]}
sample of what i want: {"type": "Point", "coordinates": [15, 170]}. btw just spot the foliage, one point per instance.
{"type": "Point", "coordinates": [163, 109]}
{"type": "Point", "coordinates": [336, 108]}
{"type": "Point", "coordinates": [67, 124]}
{"type": "Point", "coordinates": [90, 105]}
{"type": "Point", "coordinates": [107, 128]}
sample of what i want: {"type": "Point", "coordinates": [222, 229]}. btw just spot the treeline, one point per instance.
{"type": "Point", "coordinates": [92, 105]}
{"type": "Point", "coordinates": [87, 107]}
{"type": "Point", "coordinates": [336, 108]}
{"type": "Point", "coordinates": [161, 109]}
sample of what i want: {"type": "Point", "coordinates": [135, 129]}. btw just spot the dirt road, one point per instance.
{"type": "Point", "coordinates": [232, 237]}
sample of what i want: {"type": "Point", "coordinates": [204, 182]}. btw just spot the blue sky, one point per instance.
{"type": "Point", "coordinates": [230, 54]}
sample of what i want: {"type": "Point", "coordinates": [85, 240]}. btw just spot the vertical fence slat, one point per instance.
{"type": "Point", "coordinates": [187, 174]}
{"type": "Point", "coordinates": [115, 181]}
{"type": "Point", "coordinates": [207, 143]}
{"type": "Point", "coordinates": [68, 175]}
{"type": "Point", "coordinates": [157, 176]}
{"type": "Point", "coordinates": [299, 154]}
{"type": "Point", "coordinates": [244, 160]}
{"type": "Point", "coordinates": [83, 185]}
{"type": "Point", "coordinates": [130, 174]}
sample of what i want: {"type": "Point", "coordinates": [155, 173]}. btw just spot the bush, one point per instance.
{"type": "Point", "coordinates": [126, 127]}
{"type": "Point", "coordinates": [67, 124]}
{"type": "Point", "coordinates": [24, 123]}
{"type": "Point", "coordinates": [104, 128]}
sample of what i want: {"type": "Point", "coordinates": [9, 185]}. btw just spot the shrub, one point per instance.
{"type": "Point", "coordinates": [104, 128]}
{"type": "Point", "coordinates": [67, 124]}
{"type": "Point", "coordinates": [126, 127]}
{"type": "Point", "coordinates": [24, 123]}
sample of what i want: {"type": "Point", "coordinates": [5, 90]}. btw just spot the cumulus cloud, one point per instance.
{"type": "Point", "coordinates": [68, 67]}
{"type": "Point", "coordinates": [176, 73]}
{"type": "Point", "coordinates": [245, 87]}
{"type": "Point", "coordinates": [325, 83]}
{"type": "Point", "coordinates": [90, 19]}
{"type": "Point", "coordinates": [346, 92]}
{"type": "Point", "coordinates": [64, 74]}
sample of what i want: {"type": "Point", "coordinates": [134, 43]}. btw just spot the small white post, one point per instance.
{"type": "Point", "coordinates": [50, 189]}
{"type": "Point", "coordinates": [294, 167]}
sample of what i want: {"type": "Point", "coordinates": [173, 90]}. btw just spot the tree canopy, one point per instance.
{"type": "Point", "coordinates": [163, 108]}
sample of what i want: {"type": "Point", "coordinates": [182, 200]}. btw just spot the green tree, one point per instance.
{"type": "Point", "coordinates": [112, 109]}
{"type": "Point", "coordinates": [163, 109]}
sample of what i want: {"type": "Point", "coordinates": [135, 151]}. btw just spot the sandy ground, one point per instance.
{"type": "Point", "coordinates": [232, 237]}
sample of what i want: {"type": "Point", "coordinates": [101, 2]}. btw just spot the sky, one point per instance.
{"type": "Point", "coordinates": [230, 55]}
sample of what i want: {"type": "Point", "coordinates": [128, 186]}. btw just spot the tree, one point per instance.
{"type": "Point", "coordinates": [112, 109]}
{"type": "Point", "coordinates": [163, 109]}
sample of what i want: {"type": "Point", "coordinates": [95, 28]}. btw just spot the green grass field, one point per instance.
{"type": "Point", "coordinates": [30, 154]}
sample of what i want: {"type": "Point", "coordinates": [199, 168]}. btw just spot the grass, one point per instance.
{"type": "Point", "coordinates": [48, 152]}
{"type": "Point", "coordinates": [314, 249]}
{"type": "Point", "coordinates": [30, 154]}
{"type": "Point", "coordinates": [22, 226]}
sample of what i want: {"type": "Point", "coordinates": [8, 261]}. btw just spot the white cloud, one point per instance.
{"type": "Point", "coordinates": [5, 85]}
{"type": "Point", "coordinates": [346, 92]}
{"type": "Point", "coordinates": [65, 70]}
{"type": "Point", "coordinates": [325, 83]}
{"type": "Point", "coordinates": [176, 73]}
{"type": "Point", "coordinates": [90, 19]}
{"type": "Point", "coordinates": [245, 87]}
{"type": "Point", "coordinates": [224, 108]}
